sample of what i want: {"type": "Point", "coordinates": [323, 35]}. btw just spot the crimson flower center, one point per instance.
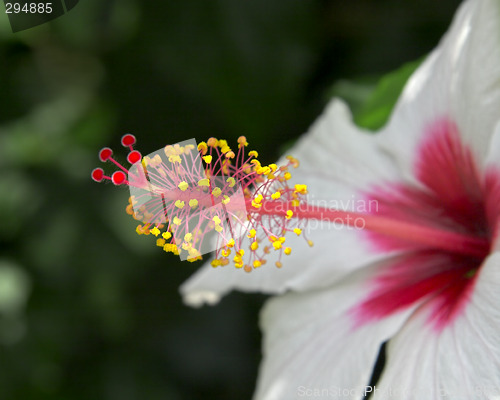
{"type": "Point", "coordinates": [456, 205]}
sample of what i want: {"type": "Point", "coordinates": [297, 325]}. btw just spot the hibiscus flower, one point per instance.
{"type": "Point", "coordinates": [422, 270]}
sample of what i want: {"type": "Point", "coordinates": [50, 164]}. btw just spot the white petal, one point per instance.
{"type": "Point", "coordinates": [492, 188]}
{"type": "Point", "coordinates": [336, 160]}
{"type": "Point", "coordinates": [459, 80]}
{"type": "Point", "coordinates": [336, 151]}
{"type": "Point", "coordinates": [312, 347]}
{"type": "Point", "coordinates": [493, 158]}
{"type": "Point", "coordinates": [462, 361]}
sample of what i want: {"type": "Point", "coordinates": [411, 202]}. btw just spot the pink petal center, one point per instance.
{"type": "Point", "coordinates": [451, 195]}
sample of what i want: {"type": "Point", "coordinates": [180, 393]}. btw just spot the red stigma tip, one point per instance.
{"type": "Point", "coordinates": [118, 177]}
{"type": "Point", "coordinates": [128, 140]}
{"type": "Point", "coordinates": [105, 154]}
{"type": "Point", "coordinates": [134, 156]}
{"type": "Point", "coordinates": [97, 174]}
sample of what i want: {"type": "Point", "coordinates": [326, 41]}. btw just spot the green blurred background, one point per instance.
{"type": "Point", "coordinates": [88, 309]}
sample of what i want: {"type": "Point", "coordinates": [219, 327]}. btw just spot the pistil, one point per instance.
{"type": "Point", "coordinates": [427, 236]}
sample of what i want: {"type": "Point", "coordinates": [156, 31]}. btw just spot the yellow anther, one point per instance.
{"type": "Point", "coordinates": [204, 182]}
{"type": "Point", "coordinates": [171, 248]}
{"type": "Point", "coordinates": [257, 264]}
{"type": "Point", "coordinates": [226, 252]}
{"type": "Point", "coordinates": [169, 151]}
{"type": "Point", "coordinates": [295, 202]}
{"type": "Point", "coordinates": [183, 186]}
{"type": "Point", "coordinates": [230, 154]}
{"type": "Point", "coordinates": [272, 238]}
{"type": "Point", "coordinates": [217, 192]}
{"type": "Point", "coordinates": [160, 242]}
{"type": "Point", "coordinates": [225, 166]}
{"type": "Point", "coordinates": [287, 176]}
{"type": "Point", "coordinates": [257, 200]}
{"type": "Point", "coordinates": [215, 263]}
{"type": "Point", "coordinates": [188, 237]}
{"type": "Point", "coordinates": [256, 163]}
{"type": "Point", "coordinates": [273, 167]}
{"type": "Point", "coordinates": [193, 203]}
{"type": "Point", "coordinates": [177, 221]}
{"type": "Point", "coordinates": [230, 243]}
{"type": "Point", "coordinates": [155, 231]}
{"type": "Point", "coordinates": [288, 250]}
{"type": "Point", "coordinates": [166, 235]}
{"type": "Point", "coordinates": [179, 204]}
{"type": "Point", "coordinates": [310, 243]}
{"type": "Point", "coordinates": [276, 195]}
{"type": "Point", "coordinates": [242, 141]}
{"type": "Point", "coordinates": [226, 199]}
{"type": "Point", "coordinates": [216, 219]}
{"type": "Point", "coordinates": [256, 205]}
{"type": "Point", "coordinates": [293, 161]}
{"type": "Point", "coordinates": [174, 159]}
{"type": "Point", "coordinates": [254, 246]}
{"type": "Point", "coordinates": [240, 252]}
{"type": "Point", "coordinates": [253, 153]}
{"type": "Point", "coordinates": [278, 264]}
{"type": "Point", "coordinates": [302, 189]}
{"type": "Point", "coordinates": [186, 246]}
{"type": "Point", "coordinates": [202, 146]}
{"type": "Point", "coordinates": [252, 233]}
{"type": "Point", "coordinates": [231, 181]}
{"type": "Point", "coordinates": [297, 231]}
{"type": "Point", "coordinates": [289, 214]}
{"type": "Point", "coordinates": [225, 149]}
{"type": "Point", "coordinates": [212, 142]}
{"type": "Point", "coordinates": [155, 161]}
{"type": "Point", "coordinates": [238, 264]}
{"type": "Point", "coordinates": [218, 228]}
{"type": "Point", "coordinates": [207, 159]}
{"type": "Point", "coordinates": [194, 255]}
{"type": "Point", "coordinates": [277, 245]}
{"type": "Point", "coordinates": [282, 239]}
